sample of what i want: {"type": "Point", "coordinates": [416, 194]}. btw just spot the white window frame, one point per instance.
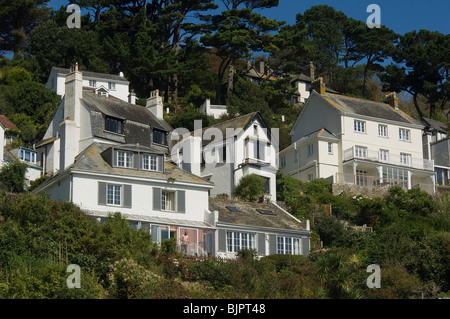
{"type": "Point", "coordinates": [359, 126]}
{"type": "Point", "coordinates": [382, 130]}
{"type": "Point", "coordinates": [116, 192]}
{"type": "Point", "coordinates": [150, 162]}
{"type": "Point", "coordinates": [384, 156]}
{"type": "Point", "coordinates": [288, 245]}
{"type": "Point", "coordinates": [310, 150]}
{"type": "Point", "coordinates": [93, 83]}
{"type": "Point", "coordinates": [237, 241]}
{"type": "Point", "coordinates": [360, 152]}
{"type": "Point", "coordinates": [112, 86]}
{"type": "Point", "coordinates": [126, 161]}
{"type": "Point", "coordinates": [330, 148]}
{"type": "Point", "coordinates": [165, 203]}
{"type": "Point", "coordinates": [405, 159]}
{"type": "Point", "coordinates": [404, 134]}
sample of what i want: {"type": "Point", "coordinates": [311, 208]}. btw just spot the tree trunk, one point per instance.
{"type": "Point", "coordinates": [416, 104]}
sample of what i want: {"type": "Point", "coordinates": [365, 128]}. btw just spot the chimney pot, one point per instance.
{"type": "Point", "coordinates": [319, 86]}
{"type": "Point", "coordinates": [392, 100]}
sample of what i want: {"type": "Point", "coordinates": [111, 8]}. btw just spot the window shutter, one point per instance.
{"type": "Point", "coordinates": [272, 244]}
{"type": "Point", "coordinates": [304, 249]}
{"type": "Point", "coordinates": [137, 158]}
{"type": "Point", "coordinates": [127, 198]}
{"type": "Point", "coordinates": [181, 199]}
{"type": "Point", "coordinates": [161, 163]}
{"type": "Point", "coordinates": [261, 244]}
{"type": "Point", "coordinates": [262, 151]}
{"type": "Point", "coordinates": [222, 240]}
{"type": "Point", "coordinates": [255, 149]}
{"type": "Point", "coordinates": [114, 157]}
{"type": "Point", "coordinates": [101, 193]}
{"type": "Point", "coordinates": [156, 198]}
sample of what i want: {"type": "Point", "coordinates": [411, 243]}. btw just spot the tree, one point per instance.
{"type": "Point", "coordinates": [12, 176]}
{"type": "Point", "coordinates": [237, 32]}
{"type": "Point", "coordinates": [250, 188]}
{"type": "Point", "coordinates": [17, 19]}
{"type": "Point", "coordinates": [421, 68]}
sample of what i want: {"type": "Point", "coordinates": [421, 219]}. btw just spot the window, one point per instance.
{"type": "Point", "coordinates": [113, 125]}
{"type": "Point", "coordinates": [310, 177]}
{"type": "Point", "coordinates": [159, 137]}
{"type": "Point", "coordinates": [361, 178]}
{"type": "Point", "coordinates": [124, 159]}
{"type": "Point", "coordinates": [405, 159]}
{"type": "Point", "coordinates": [384, 156]}
{"type": "Point", "coordinates": [27, 156]}
{"type": "Point", "coordinates": [288, 246]}
{"type": "Point", "coordinates": [330, 148]}
{"type": "Point", "coordinates": [92, 83]}
{"type": "Point", "coordinates": [168, 201]}
{"type": "Point", "coordinates": [283, 162]}
{"type": "Point", "coordinates": [310, 149]}
{"type": "Point", "coordinates": [255, 130]}
{"type": "Point", "coordinates": [150, 162]}
{"type": "Point", "coordinates": [359, 126]}
{"type": "Point", "coordinates": [296, 156]}
{"type": "Point", "coordinates": [360, 152]}
{"type": "Point", "coordinates": [382, 130]}
{"type": "Point", "coordinates": [260, 150]}
{"type": "Point", "coordinates": [403, 134]}
{"type": "Point", "coordinates": [113, 196]}
{"type": "Point", "coordinates": [111, 85]}
{"type": "Point", "coordinates": [237, 241]}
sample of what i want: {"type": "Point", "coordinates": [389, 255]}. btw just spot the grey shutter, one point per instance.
{"type": "Point", "coordinates": [255, 149]}
{"type": "Point", "coordinates": [114, 157]}
{"type": "Point", "coordinates": [161, 163]}
{"type": "Point", "coordinates": [137, 158]}
{"type": "Point", "coordinates": [127, 197]}
{"type": "Point", "coordinates": [101, 193]}
{"type": "Point", "coordinates": [272, 244]}
{"type": "Point", "coordinates": [305, 242]}
{"type": "Point", "coordinates": [181, 201]}
{"type": "Point", "coordinates": [156, 198]}
{"type": "Point", "coordinates": [262, 150]}
{"type": "Point", "coordinates": [261, 244]}
{"type": "Point", "coordinates": [222, 240]}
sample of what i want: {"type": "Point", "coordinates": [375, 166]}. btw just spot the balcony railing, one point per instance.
{"type": "Point", "coordinates": [388, 158]}
{"type": "Point", "coordinates": [365, 180]}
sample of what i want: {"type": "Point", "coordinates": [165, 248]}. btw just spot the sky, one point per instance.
{"type": "Point", "coordinates": [402, 16]}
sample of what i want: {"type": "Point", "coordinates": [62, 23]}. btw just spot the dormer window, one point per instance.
{"type": "Point", "coordinates": [124, 159]}
{"type": "Point", "coordinates": [150, 162]}
{"type": "Point", "coordinates": [159, 137]}
{"type": "Point", "coordinates": [113, 125]}
{"type": "Point", "coordinates": [27, 156]}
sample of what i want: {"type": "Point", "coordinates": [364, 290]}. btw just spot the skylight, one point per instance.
{"type": "Point", "coordinates": [266, 212]}
{"type": "Point", "coordinates": [233, 209]}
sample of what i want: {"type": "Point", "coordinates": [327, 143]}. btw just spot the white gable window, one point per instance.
{"type": "Point", "coordinates": [330, 148]}
{"type": "Point", "coordinates": [359, 126]}
{"type": "Point", "coordinates": [150, 162]}
{"type": "Point", "coordinates": [124, 159]}
{"type": "Point", "coordinates": [382, 130]}
{"type": "Point", "coordinates": [404, 134]}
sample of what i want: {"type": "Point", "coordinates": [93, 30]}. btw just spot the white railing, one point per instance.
{"type": "Point", "coordinates": [366, 180]}
{"type": "Point", "coordinates": [388, 158]}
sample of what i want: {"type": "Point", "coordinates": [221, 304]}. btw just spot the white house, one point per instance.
{"type": "Point", "coordinates": [225, 152]}
{"type": "Point", "coordinates": [217, 111]}
{"type": "Point", "coordinates": [86, 115]}
{"type": "Point", "coordinates": [114, 85]}
{"type": "Point", "coordinates": [356, 141]}
{"type": "Point", "coordinates": [436, 147]}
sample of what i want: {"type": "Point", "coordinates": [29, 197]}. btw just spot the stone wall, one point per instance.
{"type": "Point", "coordinates": [368, 191]}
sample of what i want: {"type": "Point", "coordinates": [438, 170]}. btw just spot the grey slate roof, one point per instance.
{"type": "Point", "coordinates": [368, 108]}
{"type": "Point", "coordinates": [93, 74]}
{"type": "Point", "coordinates": [123, 110]}
{"type": "Point", "coordinates": [435, 125]}
{"type": "Point", "coordinates": [249, 216]}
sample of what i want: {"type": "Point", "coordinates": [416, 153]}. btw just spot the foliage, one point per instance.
{"type": "Point", "coordinates": [12, 176]}
{"type": "Point", "coordinates": [250, 188]}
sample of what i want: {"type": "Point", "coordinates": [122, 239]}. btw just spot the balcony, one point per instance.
{"type": "Point", "coordinates": [387, 158]}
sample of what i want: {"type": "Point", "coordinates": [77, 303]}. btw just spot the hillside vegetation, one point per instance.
{"type": "Point", "coordinates": [39, 238]}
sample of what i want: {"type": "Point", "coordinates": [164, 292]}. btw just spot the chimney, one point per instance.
{"type": "Point", "coordinates": [70, 126]}
{"type": "Point", "coordinates": [392, 100]}
{"type": "Point", "coordinates": [155, 104]}
{"type": "Point", "coordinates": [318, 85]}
{"type": "Point", "coordinates": [132, 97]}
{"type": "Point", "coordinates": [311, 70]}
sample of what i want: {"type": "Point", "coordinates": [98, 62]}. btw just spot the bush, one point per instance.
{"type": "Point", "coordinates": [250, 188]}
